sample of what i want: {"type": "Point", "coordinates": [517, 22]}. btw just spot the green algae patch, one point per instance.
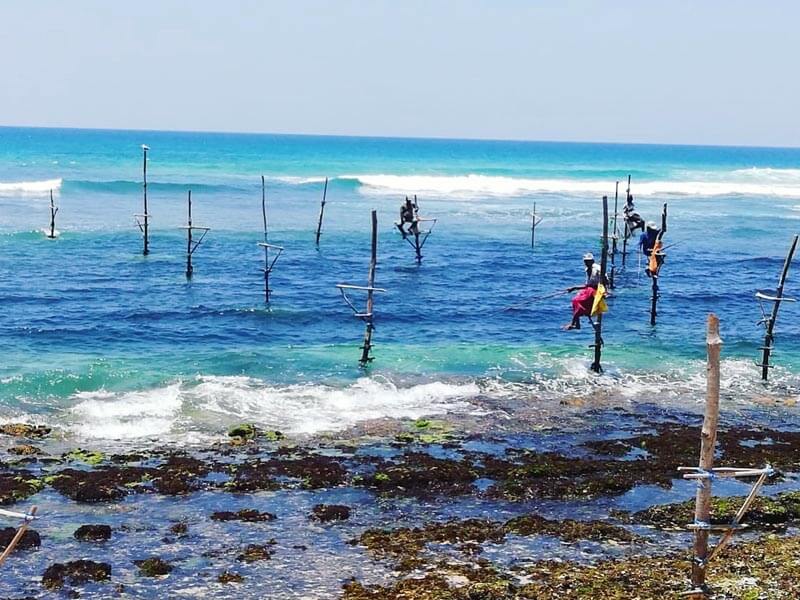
{"type": "Point", "coordinates": [18, 485]}
{"type": "Point", "coordinates": [568, 529]}
{"type": "Point", "coordinates": [153, 567]}
{"type": "Point", "coordinates": [75, 572]}
{"type": "Point", "coordinates": [85, 456]}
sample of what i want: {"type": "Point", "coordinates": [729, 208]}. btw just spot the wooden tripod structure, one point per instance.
{"type": "Point", "coordinates": [191, 244]}
{"type": "Point", "coordinates": [769, 320]}
{"type": "Point", "coordinates": [143, 219]}
{"type": "Point", "coordinates": [598, 324]}
{"type": "Point", "coordinates": [269, 263]}
{"type": "Point", "coordinates": [53, 212]}
{"type": "Point", "coordinates": [321, 212]}
{"type": "Point", "coordinates": [367, 315]}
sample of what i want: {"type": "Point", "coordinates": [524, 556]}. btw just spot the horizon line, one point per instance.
{"type": "Point", "coordinates": [399, 137]}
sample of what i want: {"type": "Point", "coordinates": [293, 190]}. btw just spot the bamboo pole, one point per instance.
{"type": "Point", "coordinates": [17, 536]}
{"type": "Point", "coordinates": [417, 245]}
{"type": "Point", "coordinates": [598, 325]}
{"type": "Point", "coordinates": [367, 346]}
{"type": "Point", "coordinates": [145, 216]}
{"type": "Point", "coordinates": [769, 337]}
{"type": "Point", "coordinates": [708, 441]}
{"type": "Point", "coordinates": [53, 212]}
{"type": "Point", "coordinates": [189, 267]}
{"type": "Point", "coordinates": [627, 230]}
{"type": "Point", "coordinates": [321, 211]}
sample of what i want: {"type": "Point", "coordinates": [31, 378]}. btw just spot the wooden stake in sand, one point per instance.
{"type": "Point", "coordinates": [598, 324]}
{"type": "Point", "coordinates": [368, 314]}
{"type": "Point", "coordinates": [143, 219]}
{"type": "Point", "coordinates": [659, 260]}
{"type": "Point", "coordinates": [26, 519]}
{"type": "Point", "coordinates": [769, 321]}
{"type": "Point", "coordinates": [53, 212]}
{"type": "Point", "coordinates": [268, 264]}
{"type": "Point", "coordinates": [321, 211]}
{"type": "Point", "coordinates": [191, 244]}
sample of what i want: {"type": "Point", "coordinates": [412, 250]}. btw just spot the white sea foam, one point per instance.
{"type": "Point", "coordinates": [212, 403]}
{"type": "Point", "coordinates": [760, 182]}
{"type": "Point", "coordinates": [29, 188]}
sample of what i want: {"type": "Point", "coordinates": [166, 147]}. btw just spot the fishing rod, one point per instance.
{"type": "Point", "coordinates": [535, 299]}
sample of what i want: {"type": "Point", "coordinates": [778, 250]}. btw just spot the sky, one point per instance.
{"type": "Point", "coordinates": [702, 72]}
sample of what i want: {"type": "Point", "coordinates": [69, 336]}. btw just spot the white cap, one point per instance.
{"type": "Point", "coordinates": [651, 225]}
{"type": "Point", "coordinates": [588, 256]}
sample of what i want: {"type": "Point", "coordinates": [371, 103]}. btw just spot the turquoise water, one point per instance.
{"type": "Point", "coordinates": [106, 343]}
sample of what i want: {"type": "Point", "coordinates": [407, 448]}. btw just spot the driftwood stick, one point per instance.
{"type": "Point", "coordinates": [598, 325]}
{"type": "Point", "coordinates": [322, 211]}
{"type": "Point", "coordinates": [367, 346]}
{"type": "Point", "coordinates": [17, 536]}
{"type": "Point", "coordinates": [769, 337]}
{"type": "Point", "coordinates": [708, 441]}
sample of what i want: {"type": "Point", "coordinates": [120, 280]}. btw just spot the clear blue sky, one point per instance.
{"type": "Point", "coordinates": [713, 71]}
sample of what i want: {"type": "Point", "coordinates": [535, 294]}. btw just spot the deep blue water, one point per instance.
{"type": "Point", "coordinates": [105, 342]}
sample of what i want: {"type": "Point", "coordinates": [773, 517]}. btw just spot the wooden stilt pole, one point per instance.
{"type": "Point", "coordinates": [707, 443]}
{"type": "Point", "coordinates": [53, 212]}
{"type": "Point", "coordinates": [189, 267]}
{"type": "Point", "coordinates": [533, 226]}
{"type": "Point", "coordinates": [321, 211]}
{"type": "Point", "coordinates": [268, 264]}
{"type": "Point", "coordinates": [627, 230]}
{"type": "Point", "coordinates": [417, 245]}
{"type": "Point", "coordinates": [145, 225]}
{"type": "Point", "coordinates": [369, 318]}
{"type": "Point", "coordinates": [17, 536]}
{"type": "Point", "coordinates": [598, 324]}
{"type": "Point", "coordinates": [769, 337]}
{"type": "Point", "coordinates": [654, 275]}
{"type": "Point", "coordinates": [614, 237]}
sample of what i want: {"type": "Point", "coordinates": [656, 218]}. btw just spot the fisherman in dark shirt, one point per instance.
{"type": "Point", "coordinates": [407, 216]}
{"type": "Point", "coordinates": [632, 218]}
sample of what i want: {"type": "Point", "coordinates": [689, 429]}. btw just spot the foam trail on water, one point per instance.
{"type": "Point", "coordinates": [212, 403]}
{"type": "Point", "coordinates": [29, 188]}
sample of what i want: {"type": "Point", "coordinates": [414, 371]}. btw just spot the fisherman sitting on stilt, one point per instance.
{"type": "Point", "coordinates": [650, 246]}
{"type": "Point", "coordinates": [407, 216]}
{"type": "Point", "coordinates": [632, 218]}
{"type": "Point", "coordinates": [583, 301]}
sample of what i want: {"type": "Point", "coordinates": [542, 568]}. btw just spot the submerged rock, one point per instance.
{"type": "Point", "coordinates": [153, 567]}
{"type": "Point", "coordinates": [254, 552]}
{"type": "Point", "coordinates": [229, 577]}
{"type": "Point", "coordinates": [249, 515]}
{"type": "Point", "coordinates": [93, 533]}
{"type": "Point", "coordinates": [98, 485]}
{"type": "Point", "coordinates": [330, 512]}
{"type": "Point", "coordinates": [30, 539]}
{"type": "Point", "coordinates": [75, 572]}
{"type": "Point", "coordinates": [16, 485]}
{"type": "Point", "coordinates": [180, 528]}
{"type": "Point", "coordinates": [420, 474]}
{"type": "Point", "coordinates": [24, 450]}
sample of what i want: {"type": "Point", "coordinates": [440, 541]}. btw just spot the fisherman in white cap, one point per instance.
{"type": "Point", "coordinates": [582, 302]}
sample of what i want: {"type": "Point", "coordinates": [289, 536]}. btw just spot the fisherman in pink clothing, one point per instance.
{"type": "Point", "coordinates": [582, 301]}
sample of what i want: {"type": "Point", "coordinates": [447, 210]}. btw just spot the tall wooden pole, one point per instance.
{"type": "Point", "coordinates": [533, 226]}
{"type": "Point", "coordinates": [53, 211]}
{"type": "Point", "coordinates": [627, 230]}
{"type": "Point", "coordinates": [655, 289]}
{"type": "Point", "coordinates": [189, 268]}
{"type": "Point", "coordinates": [769, 337]}
{"type": "Point", "coordinates": [321, 211]}
{"type": "Point", "coordinates": [266, 241]}
{"type": "Point", "coordinates": [598, 325]}
{"type": "Point", "coordinates": [146, 215]}
{"type": "Point", "coordinates": [367, 346]}
{"type": "Point", "coordinates": [707, 443]}
{"type": "Point", "coordinates": [417, 246]}
{"type": "Point", "coordinates": [614, 236]}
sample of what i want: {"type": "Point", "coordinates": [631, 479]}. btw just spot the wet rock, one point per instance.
{"type": "Point", "coordinates": [180, 528]}
{"type": "Point", "coordinates": [24, 450]}
{"type": "Point", "coordinates": [75, 572]}
{"type": "Point", "coordinates": [93, 533]}
{"type": "Point", "coordinates": [30, 539]}
{"type": "Point", "coordinates": [16, 485]}
{"type": "Point", "coordinates": [255, 552]}
{"type": "Point", "coordinates": [25, 430]}
{"type": "Point", "coordinates": [248, 515]}
{"type": "Point", "coordinates": [312, 471]}
{"type": "Point", "coordinates": [421, 475]}
{"type": "Point", "coordinates": [153, 567]}
{"type": "Point", "coordinates": [568, 530]}
{"type": "Point", "coordinates": [330, 512]}
{"type": "Point", "coordinates": [230, 577]}
{"type": "Point", "coordinates": [99, 485]}
{"type": "Point", "coordinates": [179, 475]}
{"type": "Point", "coordinates": [244, 431]}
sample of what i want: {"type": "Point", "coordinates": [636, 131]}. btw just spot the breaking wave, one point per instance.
{"type": "Point", "coordinates": [29, 188]}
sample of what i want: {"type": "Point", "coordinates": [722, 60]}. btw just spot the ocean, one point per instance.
{"type": "Point", "coordinates": [109, 346]}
